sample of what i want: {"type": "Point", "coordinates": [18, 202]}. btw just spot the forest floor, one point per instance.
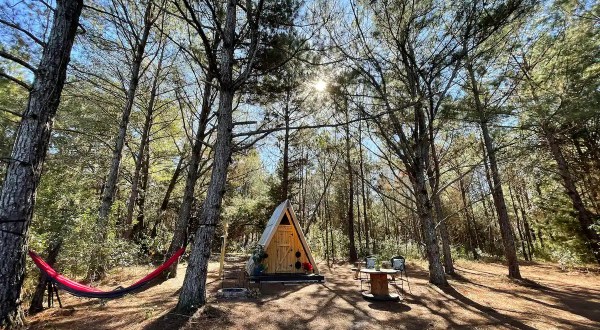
{"type": "Point", "coordinates": [480, 296]}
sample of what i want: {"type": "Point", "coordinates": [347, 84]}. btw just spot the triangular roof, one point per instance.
{"type": "Point", "coordinates": [271, 228]}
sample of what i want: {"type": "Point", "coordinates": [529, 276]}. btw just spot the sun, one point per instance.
{"type": "Point", "coordinates": [320, 85]}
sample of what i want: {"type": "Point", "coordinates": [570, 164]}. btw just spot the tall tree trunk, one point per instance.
{"type": "Point", "coordinates": [493, 246]}
{"type": "Point", "coordinates": [193, 291]}
{"type": "Point", "coordinates": [352, 247]}
{"type": "Point", "coordinates": [285, 173]}
{"type": "Point", "coordinates": [425, 213]}
{"type": "Point", "coordinates": [137, 231]}
{"type": "Point", "coordinates": [96, 269]}
{"type": "Point", "coordinates": [111, 181]}
{"type": "Point", "coordinates": [528, 231]}
{"type": "Point", "coordinates": [434, 179]}
{"type": "Point", "coordinates": [508, 237]}
{"type": "Point", "coordinates": [474, 224]}
{"type": "Point", "coordinates": [466, 201]}
{"type": "Point", "coordinates": [444, 235]}
{"type": "Point", "coordinates": [539, 235]}
{"type": "Point", "coordinates": [518, 219]}
{"type": "Point", "coordinates": [359, 222]}
{"type": "Point", "coordinates": [363, 189]}
{"type": "Point", "coordinates": [37, 301]}
{"type": "Point", "coordinates": [181, 226]}
{"type": "Point", "coordinates": [423, 199]}
{"type": "Point", "coordinates": [17, 196]}
{"type": "Point", "coordinates": [327, 254]}
{"type": "Point", "coordinates": [165, 202]}
{"type": "Point", "coordinates": [303, 178]}
{"type": "Point", "coordinates": [584, 216]}
{"type": "Point", "coordinates": [484, 201]}
{"type": "Point", "coordinates": [140, 158]}
{"type": "Point", "coordinates": [331, 237]}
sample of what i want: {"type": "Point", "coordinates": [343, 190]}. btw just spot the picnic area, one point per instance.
{"type": "Point", "coordinates": [481, 296]}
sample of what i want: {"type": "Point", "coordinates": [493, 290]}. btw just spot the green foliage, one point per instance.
{"type": "Point", "coordinates": [539, 72]}
{"type": "Point", "coordinates": [247, 206]}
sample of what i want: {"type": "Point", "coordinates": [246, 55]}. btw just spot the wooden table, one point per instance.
{"type": "Point", "coordinates": [379, 285]}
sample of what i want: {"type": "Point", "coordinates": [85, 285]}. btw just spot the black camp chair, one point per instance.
{"type": "Point", "coordinates": [369, 264]}
{"type": "Point", "coordinates": [399, 264]}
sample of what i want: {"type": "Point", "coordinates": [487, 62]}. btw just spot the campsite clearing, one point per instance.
{"type": "Point", "coordinates": [481, 297]}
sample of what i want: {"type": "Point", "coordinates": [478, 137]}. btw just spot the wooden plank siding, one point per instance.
{"type": "Point", "coordinates": [282, 250]}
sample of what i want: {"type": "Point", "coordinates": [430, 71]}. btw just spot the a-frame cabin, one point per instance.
{"type": "Point", "coordinates": [287, 251]}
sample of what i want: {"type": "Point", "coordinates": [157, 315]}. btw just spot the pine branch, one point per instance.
{"type": "Point", "coordinates": [27, 33]}
{"type": "Point", "coordinates": [15, 80]}
{"type": "Point", "coordinates": [11, 112]}
{"type": "Point", "coordinates": [17, 60]}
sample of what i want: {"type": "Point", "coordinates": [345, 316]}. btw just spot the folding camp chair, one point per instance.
{"type": "Point", "coordinates": [369, 264]}
{"type": "Point", "coordinates": [399, 264]}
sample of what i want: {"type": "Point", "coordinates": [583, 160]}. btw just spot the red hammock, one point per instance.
{"type": "Point", "coordinates": [81, 290]}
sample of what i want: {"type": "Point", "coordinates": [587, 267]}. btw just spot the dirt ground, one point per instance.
{"type": "Point", "coordinates": [480, 296]}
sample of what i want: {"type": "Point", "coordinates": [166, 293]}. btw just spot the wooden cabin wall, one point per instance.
{"type": "Point", "coordinates": [282, 250]}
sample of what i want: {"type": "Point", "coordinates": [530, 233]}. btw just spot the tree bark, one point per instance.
{"type": "Point", "coordinates": [165, 202]}
{"type": "Point", "coordinates": [352, 247]}
{"type": "Point", "coordinates": [528, 231]}
{"type": "Point", "coordinates": [434, 179]}
{"type": "Point", "coordinates": [326, 220]}
{"type": "Point", "coordinates": [137, 231]}
{"type": "Point", "coordinates": [584, 216]}
{"type": "Point", "coordinates": [489, 213]}
{"type": "Point", "coordinates": [425, 213]}
{"type": "Point", "coordinates": [418, 170]}
{"type": "Point", "coordinates": [141, 156]}
{"type": "Point", "coordinates": [517, 218]}
{"type": "Point", "coordinates": [193, 291]}
{"type": "Point", "coordinates": [96, 269]}
{"type": "Point", "coordinates": [359, 223]}
{"type": "Point", "coordinates": [445, 236]}
{"type": "Point", "coordinates": [164, 205]}
{"type": "Point", "coordinates": [137, 176]}
{"type": "Point", "coordinates": [17, 196]}
{"type": "Point", "coordinates": [330, 222]}
{"type": "Point", "coordinates": [37, 301]}
{"type": "Point", "coordinates": [285, 173]}
{"type": "Point", "coordinates": [508, 237]}
{"type": "Point", "coordinates": [363, 189]}
{"type": "Point", "coordinates": [111, 181]}
{"type": "Point", "coordinates": [470, 228]}
{"type": "Point", "coordinates": [181, 227]}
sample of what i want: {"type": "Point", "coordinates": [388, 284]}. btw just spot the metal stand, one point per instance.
{"type": "Point", "coordinates": [53, 290]}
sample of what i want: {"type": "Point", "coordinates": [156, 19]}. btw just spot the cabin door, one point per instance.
{"type": "Point", "coordinates": [285, 247]}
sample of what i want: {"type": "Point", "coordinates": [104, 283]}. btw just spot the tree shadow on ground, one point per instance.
{"type": "Point", "coordinates": [449, 290]}
{"type": "Point", "coordinates": [474, 299]}
{"type": "Point", "coordinates": [432, 303]}
{"type": "Point", "coordinates": [575, 300]}
{"type": "Point", "coordinates": [204, 315]}
{"type": "Point", "coordinates": [169, 320]}
{"type": "Point", "coordinates": [388, 307]}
